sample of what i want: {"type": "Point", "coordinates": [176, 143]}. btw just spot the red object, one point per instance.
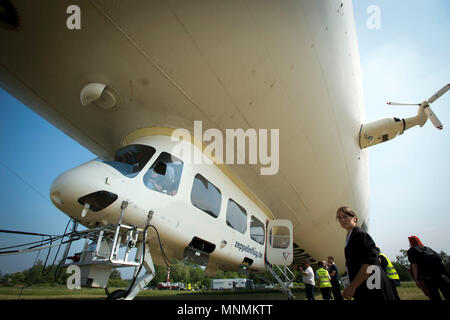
{"type": "Point", "coordinates": [414, 241]}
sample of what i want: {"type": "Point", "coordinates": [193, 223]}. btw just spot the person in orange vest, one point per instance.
{"type": "Point", "coordinates": [324, 281]}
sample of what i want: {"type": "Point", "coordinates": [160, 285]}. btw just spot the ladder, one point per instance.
{"type": "Point", "coordinates": [288, 279]}
{"type": "Point", "coordinates": [101, 254]}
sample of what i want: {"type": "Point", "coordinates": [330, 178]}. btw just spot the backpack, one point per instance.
{"type": "Point", "coordinates": [429, 261]}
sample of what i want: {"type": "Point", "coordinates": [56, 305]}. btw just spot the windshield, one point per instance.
{"type": "Point", "coordinates": [164, 175]}
{"type": "Point", "coordinates": [130, 160]}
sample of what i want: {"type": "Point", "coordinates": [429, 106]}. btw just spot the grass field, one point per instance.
{"type": "Point", "coordinates": [408, 291]}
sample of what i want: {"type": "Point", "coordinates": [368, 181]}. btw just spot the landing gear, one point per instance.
{"type": "Point", "coordinates": [140, 283]}
{"type": "Point", "coordinates": [116, 295]}
{"type": "Point", "coordinates": [137, 284]}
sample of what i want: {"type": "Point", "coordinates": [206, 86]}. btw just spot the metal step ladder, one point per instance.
{"type": "Point", "coordinates": [101, 254]}
{"type": "Point", "coordinates": [288, 279]}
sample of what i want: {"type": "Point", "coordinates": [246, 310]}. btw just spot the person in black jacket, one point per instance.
{"type": "Point", "coordinates": [394, 279]}
{"type": "Point", "coordinates": [428, 270]}
{"type": "Point", "coordinates": [362, 262]}
{"type": "Point", "coordinates": [333, 271]}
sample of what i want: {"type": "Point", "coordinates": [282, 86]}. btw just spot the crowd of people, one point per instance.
{"type": "Point", "coordinates": [370, 275]}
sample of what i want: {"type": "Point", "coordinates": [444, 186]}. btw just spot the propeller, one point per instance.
{"type": "Point", "coordinates": [426, 105]}
{"type": "Point", "coordinates": [402, 104]}
{"type": "Point", "coordinates": [440, 93]}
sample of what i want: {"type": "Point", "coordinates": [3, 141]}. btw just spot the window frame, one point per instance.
{"type": "Point", "coordinates": [152, 167]}
{"type": "Point", "coordinates": [242, 210]}
{"type": "Point", "coordinates": [116, 163]}
{"type": "Point", "coordinates": [220, 193]}
{"type": "Point", "coordinates": [263, 228]}
{"type": "Point", "coordinates": [277, 241]}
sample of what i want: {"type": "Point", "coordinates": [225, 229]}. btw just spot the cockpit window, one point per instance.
{"type": "Point", "coordinates": [164, 175]}
{"type": "Point", "coordinates": [130, 160]}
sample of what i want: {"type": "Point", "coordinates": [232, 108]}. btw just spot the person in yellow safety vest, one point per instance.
{"type": "Point", "coordinates": [324, 281]}
{"type": "Point", "coordinates": [391, 273]}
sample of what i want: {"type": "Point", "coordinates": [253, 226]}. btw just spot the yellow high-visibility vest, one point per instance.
{"type": "Point", "coordinates": [324, 278]}
{"type": "Point", "coordinates": [390, 270]}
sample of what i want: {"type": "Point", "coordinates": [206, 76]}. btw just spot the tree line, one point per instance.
{"type": "Point", "coordinates": [42, 275]}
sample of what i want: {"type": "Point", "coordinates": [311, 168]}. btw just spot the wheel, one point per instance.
{"type": "Point", "coordinates": [117, 295]}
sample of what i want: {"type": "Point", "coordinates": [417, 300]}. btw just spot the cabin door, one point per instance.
{"type": "Point", "coordinates": [279, 249]}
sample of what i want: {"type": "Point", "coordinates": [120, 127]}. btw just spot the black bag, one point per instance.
{"type": "Point", "coordinates": [429, 262]}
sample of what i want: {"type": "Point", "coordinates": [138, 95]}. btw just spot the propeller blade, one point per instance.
{"type": "Point", "coordinates": [402, 104]}
{"type": "Point", "coordinates": [434, 120]}
{"type": "Point", "coordinates": [441, 92]}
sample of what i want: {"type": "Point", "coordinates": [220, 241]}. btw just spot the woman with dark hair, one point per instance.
{"type": "Point", "coordinates": [428, 270]}
{"type": "Point", "coordinates": [361, 261]}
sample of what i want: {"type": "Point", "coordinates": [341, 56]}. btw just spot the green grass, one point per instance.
{"type": "Point", "coordinates": [407, 291]}
{"type": "Point", "coordinates": [60, 292]}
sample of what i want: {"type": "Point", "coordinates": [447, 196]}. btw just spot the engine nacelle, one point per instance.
{"type": "Point", "coordinates": [386, 129]}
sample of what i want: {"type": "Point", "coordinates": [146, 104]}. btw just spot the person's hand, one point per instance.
{"type": "Point", "coordinates": [348, 292]}
{"type": "Point", "coordinates": [422, 287]}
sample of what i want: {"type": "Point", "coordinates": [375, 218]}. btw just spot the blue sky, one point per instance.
{"type": "Point", "coordinates": [34, 153]}
{"type": "Point", "coordinates": [405, 60]}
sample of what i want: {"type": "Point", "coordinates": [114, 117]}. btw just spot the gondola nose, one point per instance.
{"type": "Point", "coordinates": [92, 186]}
